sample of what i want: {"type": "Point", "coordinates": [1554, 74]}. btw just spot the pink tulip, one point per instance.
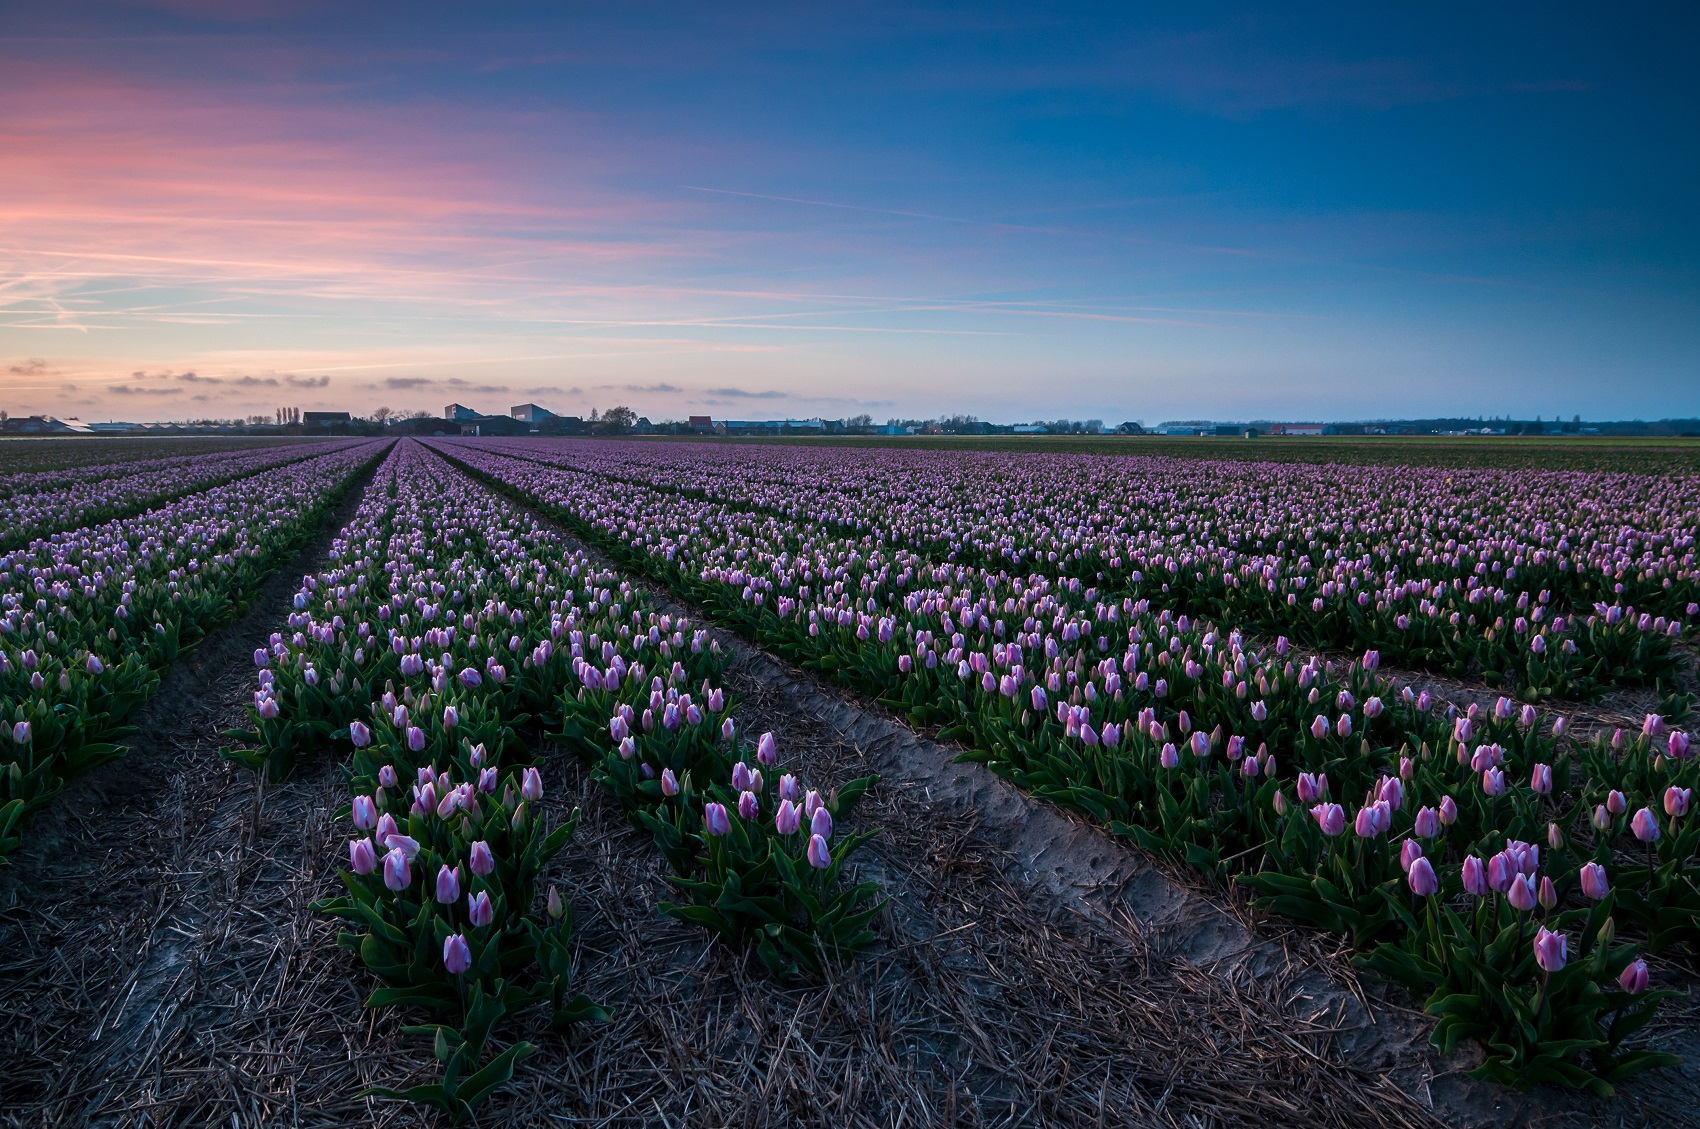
{"type": "Point", "coordinates": [821, 823]}
{"type": "Point", "coordinates": [1541, 779]}
{"type": "Point", "coordinates": [669, 783]}
{"type": "Point", "coordinates": [365, 813]}
{"type": "Point", "coordinates": [715, 819]}
{"type": "Point", "coordinates": [1551, 950]}
{"type": "Point", "coordinates": [1635, 978]}
{"type": "Point", "coordinates": [1330, 817]}
{"type": "Point", "coordinates": [788, 788]}
{"type": "Point", "coordinates": [820, 856]}
{"type": "Point", "coordinates": [362, 859]}
{"type": "Point", "coordinates": [1409, 852]}
{"type": "Point", "coordinates": [1594, 883]}
{"type": "Point", "coordinates": [457, 956]}
{"type": "Point", "coordinates": [1427, 823]}
{"type": "Point", "coordinates": [1448, 811]}
{"type": "Point", "coordinates": [21, 732]}
{"type": "Point", "coordinates": [359, 735]}
{"type": "Point", "coordinates": [531, 785]}
{"type": "Point", "coordinates": [1522, 893]}
{"type": "Point", "coordinates": [1676, 801]}
{"type": "Point", "coordinates": [747, 806]}
{"type": "Point", "coordinates": [481, 861]}
{"type": "Point", "coordinates": [1493, 782]}
{"type": "Point", "coordinates": [1616, 802]}
{"type": "Point", "coordinates": [479, 911]}
{"type": "Point", "coordinates": [1421, 878]}
{"type": "Point", "coordinates": [1475, 877]}
{"type": "Point", "coordinates": [787, 818]}
{"type": "Point", "coordinates": [397, 875]}
{"type": "Point", "coordinates": [448, 884]}
{"type": "Point", "coordinates": [1645, 825]}
{"type": "Point", "coordinates": [415, 739]}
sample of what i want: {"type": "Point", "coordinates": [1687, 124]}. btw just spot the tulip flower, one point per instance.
{"type": "Point", "coordinates": [1593, 879]}
{"type": "Point", "coordinates": [1421, 878]}
{"type": "Point", "coordinates": [481, 861]}
{"type": "Point", "coordinates": [788, 788]}
{"type": "Point", "coordinates": [728, 730]}
{"type": "Point", "coordinates": [415, 739]}
{"type": "Point", "coordinates": [820, 857]}
{"type": "Point", "coordinates": [407, 845]}
{"type": "Point", "coordinates": [787, 818]}
{"type": "Point", "coordinates": [1427, 823]}
{"type": "Point", "coordinates": [1319, 727]}
{"type": "Point", "coordinates": [1541, 779]}
{"type": "Point", "coordinates": [1602, 818]}
{"type": "Point", "coordinates": [553, 906]}
{"type": "Point", "coordinates": [457, 956]}
{"type": "Point", "coordinates": [1521, 893]}
{"type": "Point", "coordinates": [1616, 802]}
{"type": "Point", "coordinates": [1548, 895]}
{"type": "Point", "coordinates": [715, 819]}
{"type": "Point", "coordinates": [1409, 852]}
{"type": "Point", "coordinates": [669, 783]}
{"type": "Point", "coordinates": [261, 658]}
{"type": "Point", "coordinates": [479, 911]}
{"type": "Point", "coordinates": [747, 805]}
{"type": "Point", "coordinates": [1501, 871]}
{"type": "Point", "coordinates": [487, 781]}
{"type": "Point", "coordinates": [1493, 782]}
{"type": "Point", "coordinates": [531, 786]}
{"type": "Point", "coordinates": [1645, 825]}
{"type": "Point", "coordinates": [1676, 801]}
{"type": "Point", "coordinates": [448, 884]}
{"type": "Point", "coordinates": [359, 735]}
{"type": "Point", "coordinates": [362, 858]}
{"type": "Point", "coordinates": [1475, 877]}
{"type": "Point", "coordinates": [812, 803]}
{"type": "Point", "coordinates": [397, 875]}
{"type": "Point", "coordinates": [1169, 758]}
{"type": "Point", "coordinates": [451, 717]}
{"type": "Point", "coordinates": [21, 732]}
{"type": "Point", "coordinates": [1343, 727]}
{"type": "Point", "coordinates": [1634, 978]}
{"type": "Point", "coordinates": [1551, 950]}
{"type": "Point", "coordinates": [1330, 817]}
{"type": "Point", "coordinates": [1678, 744]}
{"type": "Point", "coordinates": [1448, 811]}
{"type": "Point", "coordinates": [1312, 787]}
{"type": "Point", "coordinates": [365, 813]}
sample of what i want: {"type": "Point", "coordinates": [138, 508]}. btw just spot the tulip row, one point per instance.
{"type": "Point", "coordinates": [1194, 742]}
{"type": "Point", "coordinates": [448, 624]}
{"type": "Point", "coordinates": [1526, 580]}
{"type": "Point", "coordinates": [37, 504]}
{"type": "Point", "coordinates": [89, 618]}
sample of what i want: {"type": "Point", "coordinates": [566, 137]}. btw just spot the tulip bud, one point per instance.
{"type": "Point", "coordinates": [448, 884]}
{"type": "Point", "coordinates": [482, 862]}
{"type": "Point", "coordinates": [821, 823]}
{"type": "Point", "coordinates": [1635, 978]}
{"type": "Point", "coordinates": [1475, 877]}
{"type": "Point", "coordinates": [1645, 825]}
{"type": "Point", "coordinates": [457, 956]}
{"type": "Point", "coordinates": [1616, 802]}
{"type": "Point", "coordinates": [1548, 893]}
{"type": "Point", "coordinates": [1602, 818]}
{"type": "Point", "coordinates": [479, 911]}
{"type": "Point", "coordinates": [1555, 837]}
{"type": "Point", "coordinates": [1448, 811]}
{"type": "Point", "coordinates": [359, 735]}
{"type": "Point", "coordinates": [1551, 950]}
{"type": "Point", "coordinates": [554, 906]}
{"type": "Point", "coordinates": [1409, 852]}
{"type": "Point", "coordinates": [1541, 779]}
{"type": "Point", "coordinates": [669, 783]}
{"type": "Point", "coordinates": [728, 730]}
{"type": "Point", "coordinates": [1421, 878]}
{"type": "Point", "coordinates": [397, 875]}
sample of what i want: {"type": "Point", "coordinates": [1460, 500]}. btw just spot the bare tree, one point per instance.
{"type": "Point", "coordinates": [381, 416]}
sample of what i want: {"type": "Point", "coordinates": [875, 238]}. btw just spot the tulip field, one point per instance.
{"type": "Point", "coordinates": [1221, 664]}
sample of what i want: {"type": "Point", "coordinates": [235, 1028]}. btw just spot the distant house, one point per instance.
{"type": "Point", "coordinates": [48, 425]}
{"type": "Point", "coordinates": [1295, 429]}
{"type": "Point", "coordinates": [461, 413]}
{"type": "Point", "coordinates": [311, 420]}
{"type": "Point", "coordinates": [532, 414]}
{"type": "Point", "coordinates": [702, 423]}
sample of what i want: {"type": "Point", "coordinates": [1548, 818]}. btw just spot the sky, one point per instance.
{"type": "Point", "coordinates": [215, 208]}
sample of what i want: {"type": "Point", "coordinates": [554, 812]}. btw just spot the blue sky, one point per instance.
{"type": "Point", "coordinates": [756, 211]}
